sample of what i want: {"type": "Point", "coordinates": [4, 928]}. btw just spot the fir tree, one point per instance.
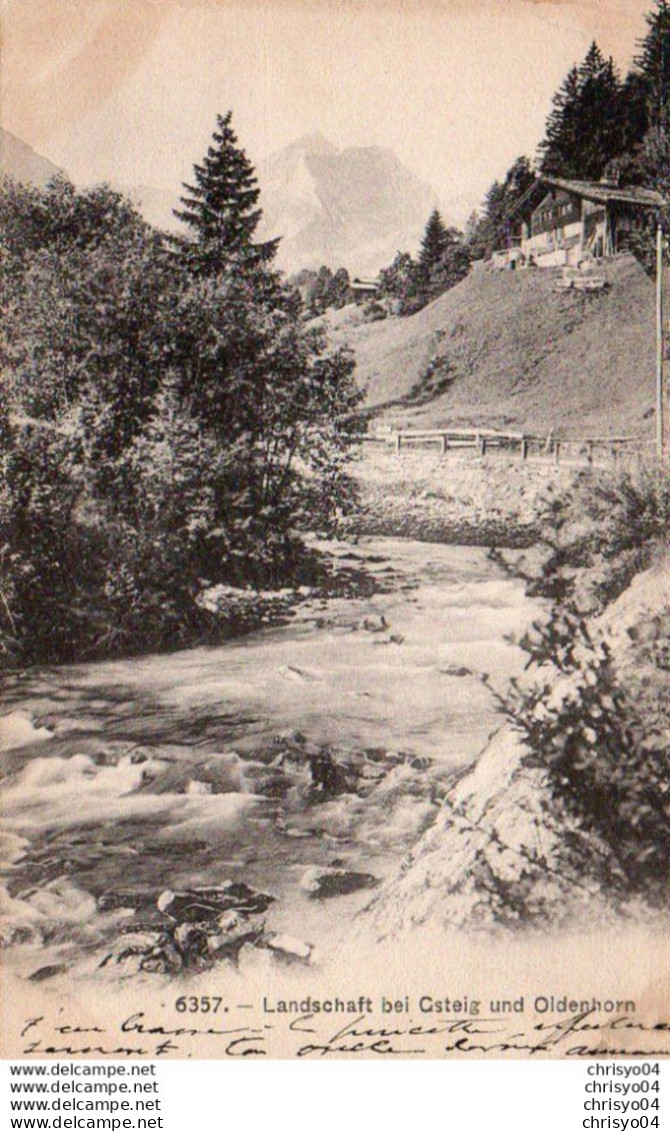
{"type": "Point", "coordinates": [653, 60]}
{"type": "Point", "coordinates": [221, 207]}
{"type": "Point", "coordinates": [600, 114]}
{"type": "Point", "coordinates": [434, 243]}
{"type": "Point", "coordinates": [635, 111]}
{"type": "Point", "coordinates": [587, 127]}
{"type": "Point", "coordinates": [560, 139]}
{"type": "Point", "coordinates": [493, 229]}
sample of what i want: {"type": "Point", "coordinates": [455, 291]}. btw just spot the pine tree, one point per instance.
{"type": "Point", "coordinates": [221, 207]}
{"type": "Point", "coordinates": [653, 61]}
{"type": "Point", "coordinates": [635, 111]}
{"type": "Point", "coordinates": [587, 126]}
{"type": "Point", "coordinates": [434, 243]}
{"type": "Point", "coordinates": [560, 138]}
{"type": "Point", "coordinates": [494, 227]}
{"type": "Point", "coordinates": [600, 114]}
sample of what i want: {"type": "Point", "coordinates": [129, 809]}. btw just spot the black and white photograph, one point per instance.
{"type": "Point", "coordinates": [335, 529]}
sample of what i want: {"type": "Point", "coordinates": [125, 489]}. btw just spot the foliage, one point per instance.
{"type": "Point", "coordinates": [652, 64]}
{"type": "Point", "coordinates": [629, 510]}
{"type": "Point", "coordinates": [650, 166]}
{"type": "Point", "coordinates": [451, 268]}
{"type": "Point", "coordinates": [491, 230]}
{"type": "Point", "coordinates": [170, 423]}
{"type": "Point", "coordinates": [653, 156]}
{"type": "Point", "coordinates": [323, 290]}
{"type": "Point", "coordinates": [41, 550]}
{"type": "Point", "coordinates": [606, 760]}
{"type": "Point", "coordinates": [595, 537]}
{"type": "Point", "coordinates": [443, 261]}
{"type": "Point", "coordinates": [598, 126]}
{"type": "Point", "coordinates": [603, 741]}
{"type": "Point", "coordinates": [397, 281]}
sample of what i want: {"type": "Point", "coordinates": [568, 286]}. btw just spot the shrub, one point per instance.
{"type": "Point", "coordinates": [604, 745]}
{"type": "Point", "coordinates": [169, 423]}
{"type": "Point", "coordinates": [595, 536]}
{"type": "Point", "coordinates": [606, 757]}
{"type": "Point", "coordinates": [41, 551]}
{"type": "Point", "coordinates": [374, 312]}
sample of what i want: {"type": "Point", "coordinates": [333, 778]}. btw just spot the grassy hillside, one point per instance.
{"type": "Point", "coordinates": [507, 349]}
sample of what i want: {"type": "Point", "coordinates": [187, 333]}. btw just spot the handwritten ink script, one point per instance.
{"type": "Point", "coordinates": [313, 1036]}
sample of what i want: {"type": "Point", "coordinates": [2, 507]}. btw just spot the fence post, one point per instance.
{"type": "Point", "coordinates": [482, 445]}
{"type": "Point", "coordinates": [524, 447]}
{"type": "Point", "coordinates": [557, 451]}
{"type": "Point", "coordinates": [397, 442]}
{"type": "Point", "coordinates": [445, 445]}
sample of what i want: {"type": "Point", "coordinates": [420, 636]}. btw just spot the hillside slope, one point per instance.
{"type": "Point", "coordinates": [20, 162]}
{"type": "Point", "coordinates": [507, 349]}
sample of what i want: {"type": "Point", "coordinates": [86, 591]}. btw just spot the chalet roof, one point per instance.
{"type": "Point", "coordinates": [530, 199]}
{"type": "Point", "coordinates": [601, 193]}
{"type": "Point", "coordinates": [367, 284]}
{"type": "Point", "coordinates": [590, 190]}
{"type": "Point", "coordinates": [550, 197]}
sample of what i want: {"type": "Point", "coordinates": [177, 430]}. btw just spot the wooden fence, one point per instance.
{"type": "Point", "coordinates": [589, 449]}
{"type": "Point", "coordinates": [483, 439]}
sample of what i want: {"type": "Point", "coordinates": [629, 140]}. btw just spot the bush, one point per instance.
{"type": "Point", "coordinates": [604, 745]}
{"type": "Point", "coordinates": [606, 757]}
{"type": "Point", "coordinates": [169, 424]}
{"type": "Point", "coordinates": [374, 312]}
{"type": "Point", "coordinates": [41, 552]}
{"type": "Point", "coordinates": [595, 536]}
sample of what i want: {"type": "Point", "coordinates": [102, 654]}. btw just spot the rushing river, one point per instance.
{"type": "Point", "coordinates": [190, 769]}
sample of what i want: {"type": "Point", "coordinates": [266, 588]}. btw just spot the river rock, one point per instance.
{"type": "Point", "coordinates": [199, 788]}
{"type": "Point", "coordinates": [232, 932]}
{"type": "Point", "coordinates": [115, 898]}
{"type": "Point", "coordinates": [285, 946]}
{"type": "Point", "coordinates": [199, 905]}
{"type": "Point", "coordinates": [135, 945]}
{"type": "Point", "coordinates": [328, 775]}
{"type": "Point", "coordinates": [324, 883]}
{"type": "Point", "coordinates": [374, 623]}
{"type": "Point", "coordinates": [456, 670]}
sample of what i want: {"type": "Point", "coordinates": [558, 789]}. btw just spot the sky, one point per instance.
{"type": "Point", "coordinates": [128, 90]}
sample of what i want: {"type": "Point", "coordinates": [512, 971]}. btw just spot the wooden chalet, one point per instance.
{"type": "Point", "coordinates": [364, 289]}
{"type": "Point", "coordinates": [574, 221]}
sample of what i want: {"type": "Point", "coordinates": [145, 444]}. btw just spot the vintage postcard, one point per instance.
{"type": "Point", "coordinates": [334, 512]}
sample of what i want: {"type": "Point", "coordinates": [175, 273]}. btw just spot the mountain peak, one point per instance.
{"type": "Point", "coordinates": [352, 208]}
{"type": "Point", "coordinates": [315, 142]}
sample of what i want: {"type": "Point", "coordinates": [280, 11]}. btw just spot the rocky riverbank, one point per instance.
{"type": "Point", "coordinates": [459, 498]}
{"type": "Point", "coordinates": [505, 852]}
